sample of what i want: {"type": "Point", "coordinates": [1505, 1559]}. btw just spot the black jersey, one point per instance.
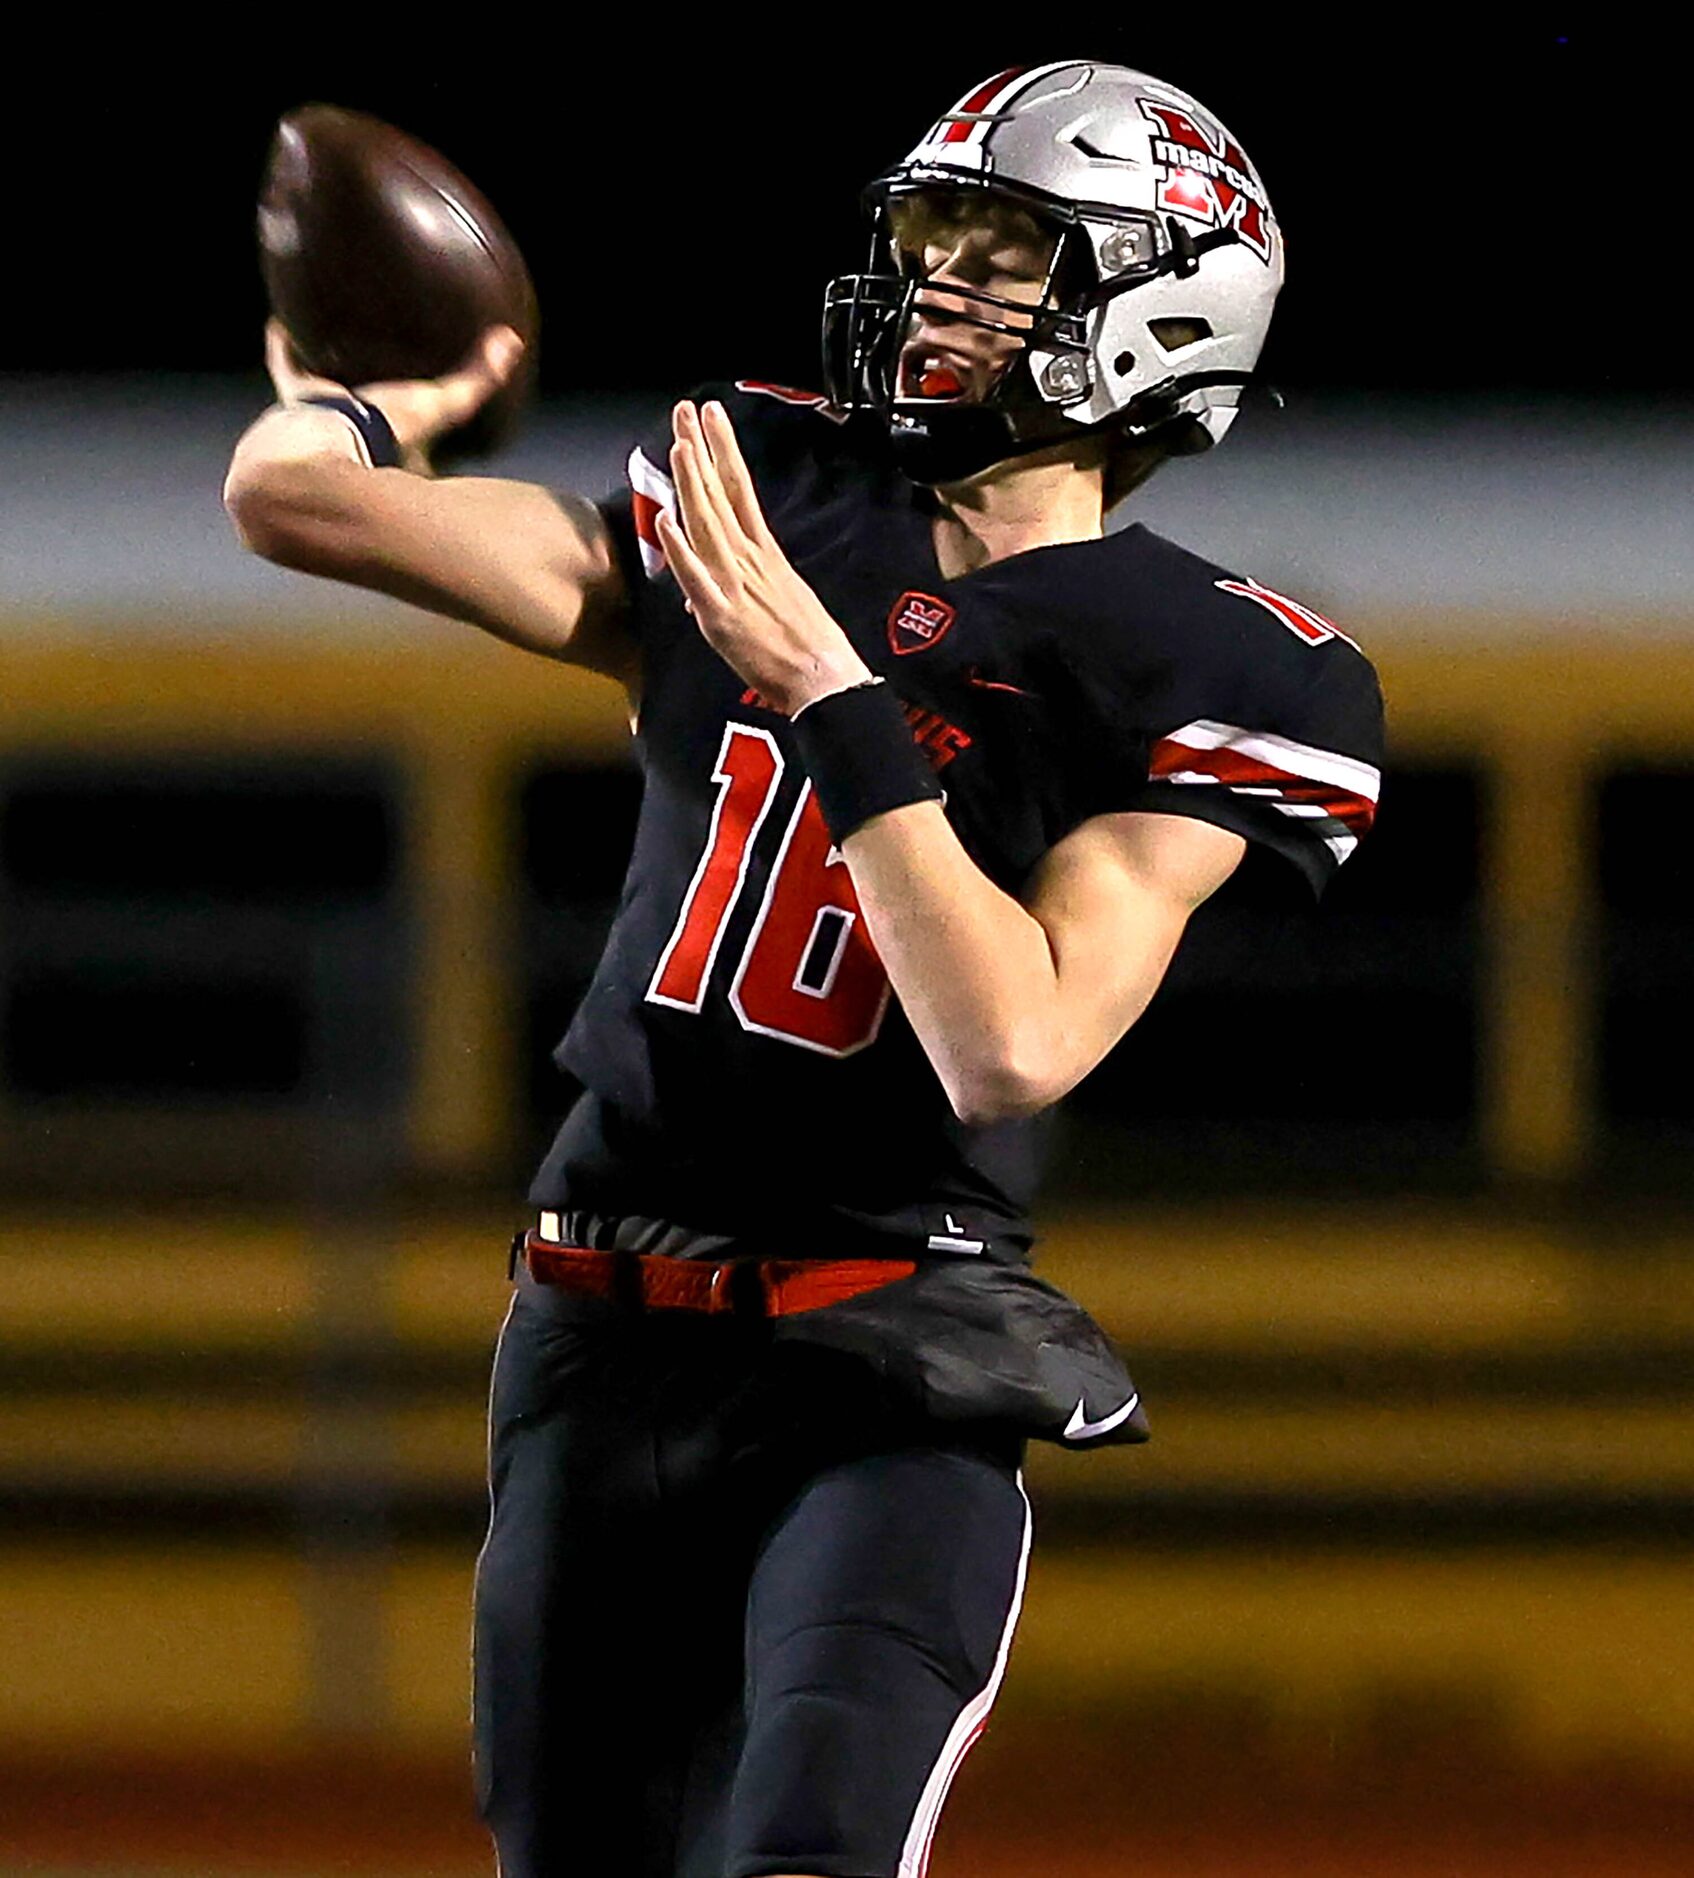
{"type": "Point", "coordinates": [748, 1071]}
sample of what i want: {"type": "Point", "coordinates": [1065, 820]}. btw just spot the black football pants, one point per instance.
{"type": "Point", "coordinates": [737, 1613]}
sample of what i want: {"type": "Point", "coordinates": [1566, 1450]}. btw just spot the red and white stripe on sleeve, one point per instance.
{"type": "Point", "coordinates": [652, 491]}
{"type": "Point", "coordinates": [1334, 796]}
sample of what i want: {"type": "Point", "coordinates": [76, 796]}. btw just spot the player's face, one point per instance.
{"type": "Point", "coordinates": [986, 245]}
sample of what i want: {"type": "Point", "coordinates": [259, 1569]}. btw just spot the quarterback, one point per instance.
{"type": "Point", "coordinates": [935, 772]}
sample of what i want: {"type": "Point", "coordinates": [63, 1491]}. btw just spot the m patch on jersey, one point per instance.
{"type": "Point", "coordinates": [918, 621]}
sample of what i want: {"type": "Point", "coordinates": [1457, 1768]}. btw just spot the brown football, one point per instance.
{"type": "Point", "coordinates": [384, 262]}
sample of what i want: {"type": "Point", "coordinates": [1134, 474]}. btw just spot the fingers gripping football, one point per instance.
{"type": "Point", "coordinates": [751, 606]}
{"type": "Point", "coordinates": [421, 410]}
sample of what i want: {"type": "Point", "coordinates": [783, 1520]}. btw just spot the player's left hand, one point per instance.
{"type": "Point", "coordinates": [752, 607]}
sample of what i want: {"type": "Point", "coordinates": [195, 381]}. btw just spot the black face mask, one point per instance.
{"type": "Point", "coordinates": [866, 320]}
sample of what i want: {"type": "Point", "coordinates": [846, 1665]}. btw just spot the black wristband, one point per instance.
{"type": "Point", "coordinates": [382, 447]}
{"type": "Point", "coordinates": [858, 750]}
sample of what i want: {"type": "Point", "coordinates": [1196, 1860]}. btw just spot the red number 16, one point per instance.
{"type": "Point", "coordinates": [809, 973]}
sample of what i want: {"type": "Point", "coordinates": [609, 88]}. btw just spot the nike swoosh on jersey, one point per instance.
{"type": "Point", "coordinates": [1079, 1428]}
{"type": "Point", "coordinates": [994, 684]}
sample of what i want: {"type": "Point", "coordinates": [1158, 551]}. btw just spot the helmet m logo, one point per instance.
{"type": "Point", "coordinates": [919, 621]}
{"type": "Point", "coordinates": [1203, 174]}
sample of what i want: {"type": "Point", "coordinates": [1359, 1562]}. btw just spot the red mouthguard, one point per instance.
{"type": "Point", "coordinates": [939, 382]}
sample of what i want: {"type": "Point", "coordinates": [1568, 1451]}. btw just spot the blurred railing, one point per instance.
{"type": "Point", "coordinates": [1404, 1462]}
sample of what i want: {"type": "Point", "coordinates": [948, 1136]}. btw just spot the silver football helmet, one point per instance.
{"type": "Point", "coordinates": [1166, 262]}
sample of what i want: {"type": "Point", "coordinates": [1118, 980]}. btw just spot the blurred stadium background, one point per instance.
{"type": "Point", "coordinates": [1389, 1202]}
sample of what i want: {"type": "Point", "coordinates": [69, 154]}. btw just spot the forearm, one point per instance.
{"type": "Point", "coordinates": [981, 980]}
{"type": "Point", "coordinates": [971, 968]}
{"type": "Point", "coordinates": [297, 489]}
{"type": "Point", "coordinates": [534, 568]}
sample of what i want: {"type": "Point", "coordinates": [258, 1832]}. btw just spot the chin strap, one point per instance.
{"type": "Point", "coordinates": [956, 441]}
{"type": "Point", "coordinates": [952, 442]}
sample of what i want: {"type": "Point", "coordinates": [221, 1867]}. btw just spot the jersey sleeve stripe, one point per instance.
{"type": "Point", "coordinates": [1329, 829]}
{"type": "Point", "coordinates": [1333, 797]}
{"type": "Point", "coordinates": [651, 490]}
{"type": "Point", "coordinates": [1344, 818]}
{"type": "Point", "coordinates": [1208, 746]}
{"type": "Point", "coordinates": [1245, 778]}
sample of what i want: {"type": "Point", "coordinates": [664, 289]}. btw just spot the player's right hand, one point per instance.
{"type": "Point", "coordinates": [421, 410]}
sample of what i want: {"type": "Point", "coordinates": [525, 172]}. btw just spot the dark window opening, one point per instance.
{"type": "Point", "coordinates": [1645, 954]}
{"type": "Point", "coordinates": [1307, 1047]}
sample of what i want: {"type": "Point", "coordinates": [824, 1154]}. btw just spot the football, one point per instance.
{"type": "Point", "coordinates": [384, 262]}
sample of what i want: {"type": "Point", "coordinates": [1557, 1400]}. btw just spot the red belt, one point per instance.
{"type": "Point", "coordinates": [746, 1287]}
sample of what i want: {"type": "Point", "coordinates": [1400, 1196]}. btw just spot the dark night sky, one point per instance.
{"type": "Point", "coordinates": [1461, 215]}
